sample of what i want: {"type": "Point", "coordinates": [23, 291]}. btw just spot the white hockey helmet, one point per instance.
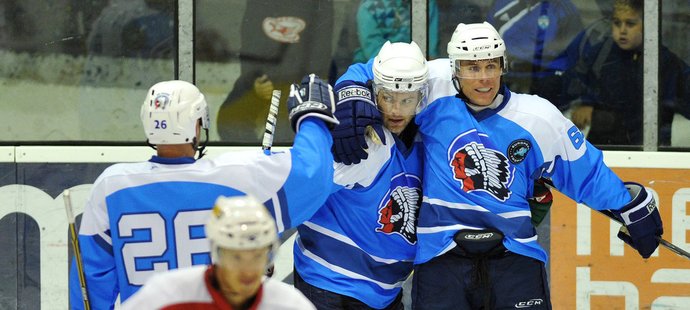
{"type": "Point", "coordinates": [401, 67]}
{"type": "Point", "coordinates": [479, 41]}
{"type": "Point", "coordinates": [171, 111]}
{"type": "Point", "coordinates": [240, 223]}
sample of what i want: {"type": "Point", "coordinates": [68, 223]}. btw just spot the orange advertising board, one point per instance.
{"type": "Point", "coordinates": [592, 269]}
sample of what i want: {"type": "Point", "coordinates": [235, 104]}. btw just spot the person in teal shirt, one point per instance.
{"type": "Point", "coordinates": [379, 21]}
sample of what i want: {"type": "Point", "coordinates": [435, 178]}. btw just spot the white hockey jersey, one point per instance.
{"type": "Point", "coordinates": [195, 288]}
{"type": "Point", "coordinates": [145, 218]}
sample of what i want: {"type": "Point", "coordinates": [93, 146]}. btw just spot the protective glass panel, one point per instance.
{"type": "Point", "coordinates": [674, 75]}
{"type": "Point", "coordinates": [78, 70]}
{"type": "Point", "coordinates": [245, 49]}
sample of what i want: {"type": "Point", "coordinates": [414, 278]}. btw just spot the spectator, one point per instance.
{"type": "Point", "coordinates": [280, 41]}
{"type": "Point", "coordinates": [379, 21]}
{"type": "Point", "coordinates": [152, 35]}
{"type": "Point", "coordinates": [536, 34]}
{"type": "Point", "coordinates": [607, 80]}
{"type": "Point", "coordinates": [105, 38]}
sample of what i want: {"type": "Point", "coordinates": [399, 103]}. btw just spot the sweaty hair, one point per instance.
{"type": "Point", "coordinates": [636, 5]}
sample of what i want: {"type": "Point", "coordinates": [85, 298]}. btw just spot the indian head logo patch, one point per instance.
{"type": "Point", "coordinates": [478, 167]}
{"type": "Point", "coordinates": [399, 209]}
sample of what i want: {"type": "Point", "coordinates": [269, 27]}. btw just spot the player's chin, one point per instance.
{"type": "Point", "coordinates": [483, 98]}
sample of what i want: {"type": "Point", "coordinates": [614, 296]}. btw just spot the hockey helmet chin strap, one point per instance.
{"type": "Point", "coordinates": [201, 149]}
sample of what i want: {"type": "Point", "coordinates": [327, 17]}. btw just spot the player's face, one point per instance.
{"type": "Point", "coordinates": [397, 108]}
{"type": "Point", "coordinates": [240, 273]}
{"type": "Point", "coordinates": [480, 80]}
{"type": "Point", "coordinates": [627, 28]}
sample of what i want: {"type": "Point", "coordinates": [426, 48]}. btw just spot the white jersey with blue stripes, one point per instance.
{"type": "Point", "coordinates": [145, 218]}
{"type": "Point", "coordinates": [362, 242]}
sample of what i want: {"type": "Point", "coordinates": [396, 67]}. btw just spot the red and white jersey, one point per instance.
{"type": "Point", "coordinates": [192, 288]}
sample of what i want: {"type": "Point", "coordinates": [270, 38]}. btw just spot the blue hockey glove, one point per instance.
{"type": "Point", "coordinates": [313, 98]}
{"type": "Point", "coordinates": [356, 110]}
{"type": "Point", "coordinates": [641, 219]}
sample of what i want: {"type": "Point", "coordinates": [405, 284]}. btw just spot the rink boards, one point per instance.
{"type": "Point", "coordinates": [589, 267]}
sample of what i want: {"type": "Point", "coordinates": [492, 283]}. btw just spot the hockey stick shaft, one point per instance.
{"type": "Point", "coordinates": [371, 133]}
{"type": "Point", "coordinates": [672, 247]}
{"type": "Point", "coordinates": [75, 247]}
{"type": "Point", "coordinates": [271, 120]}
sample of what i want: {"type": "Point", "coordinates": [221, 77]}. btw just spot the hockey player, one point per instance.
{"type": "Point", "coordinates": [358, 249]}
{"type": "Point", "coordinates": [144, 218]}
{"type": "Point", "coordinates": [243, 241]}
{"type": "Point", "coordinates": [484, 146]}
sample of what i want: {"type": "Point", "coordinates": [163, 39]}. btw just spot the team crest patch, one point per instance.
{"type": "Point", "coordinates": [283, 29]}
{"type": "Point", "coordinates": [478, 167]}
{"type": "Point", "coordinates": [161, 101]}
{"type": "Point", "coordinates": [517, 151]}
{"type": "Point", "coordinates": [399, 210]}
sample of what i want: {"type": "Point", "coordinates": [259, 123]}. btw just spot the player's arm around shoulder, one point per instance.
{"type": "Point", "coordinates": [365, 172]}
{"type": "Point", "coordinates": [311, 106]}
{"type": "Point", "coordinates": [359, 72]}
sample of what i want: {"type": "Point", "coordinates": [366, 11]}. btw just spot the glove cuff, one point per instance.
{"type": "Point", "coordinates": [330, 120]}
{"type": "Point", "coordinates": [354, 92]}
{"type": "Point", "coordinates": [641, 206]}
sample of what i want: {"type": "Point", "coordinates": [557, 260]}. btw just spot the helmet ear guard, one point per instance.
{"type": "Point", "coordinates": [171, 111]}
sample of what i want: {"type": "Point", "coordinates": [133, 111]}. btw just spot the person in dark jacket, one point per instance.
{"type": "Point", "coordinates": [607, 81]}
{"type": "Point", "coordinates": [280, 41]}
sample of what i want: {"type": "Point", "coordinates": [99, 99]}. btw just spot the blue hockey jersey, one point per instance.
{"type": "Point", "coordinates": [145, 218]}
{"type": "Point", "coordinates": [479, 168]}
{"type": "Point", "coordinates": [362, 242]}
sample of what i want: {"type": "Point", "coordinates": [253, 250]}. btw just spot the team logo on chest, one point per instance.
{"type": "Point", "coordinates": [399, 209]}
{"type": "Point", "coordinates": [478, 167]}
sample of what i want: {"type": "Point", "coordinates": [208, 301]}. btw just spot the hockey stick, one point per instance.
{"type": "Point", "coordinates": [75, 247]}
{"type": "Point", "coordinates": [371, 133]}
{"type": "Point", "coordinates": [271, 122]}
{"type": "Point", "coordinates": [672, 247]}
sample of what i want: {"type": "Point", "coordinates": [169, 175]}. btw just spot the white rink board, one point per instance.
{"type": "Point", "coordinates": [55, 292]}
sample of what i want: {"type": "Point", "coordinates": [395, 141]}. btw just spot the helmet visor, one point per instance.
{"type": "Point", "coordinates": [479, 69]}
{"type": "Point", "coordinates": [400, 102]}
